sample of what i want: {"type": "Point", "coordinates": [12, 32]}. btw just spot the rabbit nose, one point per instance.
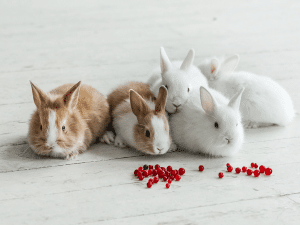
{"type": "Point", "coordinates": [177, 105]}
{"type": "Point", "coordinates": [159, 149]}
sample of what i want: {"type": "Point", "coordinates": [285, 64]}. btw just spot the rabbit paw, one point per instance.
{"type": "Point", "coordinates": [108, 138]}
{"type": "Point", "coordinates": [173, 147]}
{"type": "Point", "coordinates": [119, 142]}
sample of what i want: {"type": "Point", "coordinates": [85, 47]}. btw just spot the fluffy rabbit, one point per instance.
{"type": "Point", "coordinates": [264, 101]}
{"type": "Point", "coordinates": [180, 78]}
{"type": "Point", "coordinates": [139, 119]}
{"type": "Point", "coordinates": [212, 127]}
{"type": "Point", "coordinates": [68, 119]}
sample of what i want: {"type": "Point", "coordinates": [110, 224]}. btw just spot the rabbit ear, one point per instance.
{"type": "Point", "coordinates": [236, 100]}
{"type": "Point", "coordinates": [165, 63]}
{"type": "Point", "coordinates": [138, 105]}
{"type": "Point", "coordinates": [39, 97]}
{"type": "Point", "coordinates": [160, 105]}
{"type": "Point", "coordinates": [188, 61]}
{"type": "Point", "coordinates": [207, 101]}
{"type": "Point", "coordinates": [71, 97]}
{"type": "Point", "coordinates": [214, 65]}
{"type": "Point", "coordinates": [230, 63]}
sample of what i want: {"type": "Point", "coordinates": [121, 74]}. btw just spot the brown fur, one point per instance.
{"type": "Point", "coordinates": [86, 112]}
{"type": "Point", "coordinates": [141, 110]}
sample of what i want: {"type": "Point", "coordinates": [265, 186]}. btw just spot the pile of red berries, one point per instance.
{"type": "Point", "coordinates": [262, 169]}
{"type": "Point", "coordinates": [165, 174]}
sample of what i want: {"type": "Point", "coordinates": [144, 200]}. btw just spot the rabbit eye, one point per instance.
{"type": "Point", "coordinates": [41, 127]}
{"type": "Point", "coordinates": [188, 89]}
{"type": "Point", "coordinates": [63, 128]}
{"type": "Point", "coordinates": [216, 125]}
{"type": "Point", "coordinates": [166, 86]}
{"type": "Point", "coordinates": [147, 133]}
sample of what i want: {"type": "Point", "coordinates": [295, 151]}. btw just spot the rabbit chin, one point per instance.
{"type": "Point", "coordinates": [57, 152]}
{"type": "Point", "coordinates": [223, 148]}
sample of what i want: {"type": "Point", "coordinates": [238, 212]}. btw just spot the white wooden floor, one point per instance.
{"type": "Point", "coordinates": [105, 43]}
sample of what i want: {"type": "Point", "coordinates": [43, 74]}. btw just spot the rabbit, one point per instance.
{"type": "Point", "coordinates": [139, 118]}
{"type": "Point", "coordinates": [180, 78]}
{"type": "Point", "coordinates": [264, 102]}
{"type": "Point", "coordinates": [67, 120]}
{"type": "Point", "coordinates": [212, 127]}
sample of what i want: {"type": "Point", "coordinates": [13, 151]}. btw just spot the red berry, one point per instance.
{"type": "Point", "coordinates": [268, 171]}
{"type": "Point", "coordinates": [173, 172]}
{"type": "Point", "coordinates": [172, 177]}
{"type": "Point", "coordinates": [169, 168]}
{"type": "Point", "coordinates": [229, 168]}
{"type": "Point", "coordinates": [170, 181]}
{"type": "Point", "coordinates": [256, 173]}
{"type": "Point", "coordinates": [177, 177]}
{"type": "Point", "coordinates": [181, 171]}
{"type": "Point", "coordinates": [141, 169]}
{"type": "Point", "coordinates": [262, 169]}
{"type": "Point", "coordinates": [249, 172]}
{"type": "Point", "coordinates": [154, 172]}
{"type": "Point", "coordinates": [135, 172]}
{"type": "Point", "coordinates": [221, 175]}
{"type": "Point", "coordinates": [157, 166]}
{"type": "Point", "coordinates": [201, 168]}
{"type": "Point", "coordinates": [244, 169]}
{"type": "Point", "coordinates": [145, 173]}
{"type": "Point", "coordinates": [163, 169]}
{"type": "Point", "coordinates": [237, 170]}
{"type": "Point", "coordinates": [150, 167]}
{"type": "Point", "coordinates": [141, 178]}
{"type": "Point", "coordinates": [149, 184]}
{"type": "Point", "coordinates": [155, 180]}
{"type": "Point", "coordinates": [255, 165]}
{"type": "Point", "coordinates": [165, 178]}
{"type": "Point", "coordinates": [228, 165]}
{"type": "Point", "coordinates": [139, 174]}
{"type": "Point", "coordinates": [252, 165]}
{"type": "Point", "coordinates": [150, 172]}
{"type": "Point", "coordinates": [150, 180]}
{"type": "Point", "coordinates": [167, 185]}
{"type": "Point", "coordinates": [145, 167]}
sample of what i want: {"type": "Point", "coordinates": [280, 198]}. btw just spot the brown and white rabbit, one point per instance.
{"type": "Point", "coordinates": [139, 119]}
{"type": "Point", "coordinates": [68, 120]}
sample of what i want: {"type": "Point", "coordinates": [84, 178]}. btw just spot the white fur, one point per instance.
{"type": "Point", "coordinates": [124, 128]}
{"type": "Point", "coordinates": [56, 150]}
{"type": "Point", "coordinates": [193, 129]}
{"type": "Point", "coordinates": [178, 79]}
{"type": "Point", "coordinates": [160, 145]}
{"type": "Point", "coordinates": [264, 101]}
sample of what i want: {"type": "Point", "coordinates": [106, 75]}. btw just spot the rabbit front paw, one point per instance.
{"type": "Point", "coordinates": [119, 142]}
{"type": "Point", "coordinates": [108, 138]}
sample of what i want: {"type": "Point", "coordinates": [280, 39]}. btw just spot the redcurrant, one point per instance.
{"type": "Point", "coordinates": [157, 166]}
{"type": "Point", "coordinates": [244, 169]}
{"type": "Point", "coordinates": [165, 178]}
{"type": "Point", "coordinates": [169, 168]}
{"type": "Point", "coordinates": [237, 170]}
{"type": "Point", "coordinates": [145, 173]}
{"type": "Point", "coordinates": [221, 175]}
{"type": "Point", "coordinates": [170, 180]}
{"type": "Point", "coordinates": [255, 165]}
{"type": "Point", "coordinates": [228, 165]}
{"type": "Point", "coordinates": [135, 172]}
{"type": "Point", "coordinates": [181, 171]}
{"type": "Point", "coordinates": [167, 185]}
{"type": "Point", "coordinates": [268, 171]}
{"type": "Point", "coordinates": [150, 167]}
{"type": "Point", "coordinates": [155, 180]}
{"type": "Point", "coordinates": [256, 173]}
{"type": "Point", "coordinates": [154, 172]}
{"type": "Point", "coordinates": [249, 172]}
{"type": "Point", "coordinates": [150, 172]}
{"type": "Point", "coordinates": [201, 168]}
{"type": "Point", "coordinates": [141, 178]}
{"type": "Point", "coordinates": [149, 184]}
{"type": "Point", "coordinates": [141, 169]}
{"type": "Point", "coordinates": [229, 168]}
{"type": "Point", "coordinates": [252, 165]}
{"type": "Point", "coordinates": [262, 169]}
{"type": "Point", "coordinates": [177, 177]}
{"type": "Point", "coordinates": [151, 180]}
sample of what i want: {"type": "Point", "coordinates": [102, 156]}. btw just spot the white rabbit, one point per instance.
{"type": "Point", "coordinates": [264, 101]}
{"type": "Point", "coordinates": [212, 127]}
{"type": "Point", "coordinates": [180, 78]}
